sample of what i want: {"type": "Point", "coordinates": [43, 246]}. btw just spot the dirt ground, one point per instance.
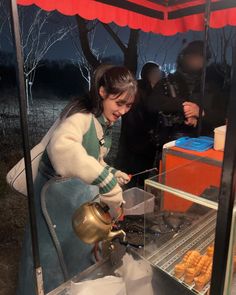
{"type": "Point", "coordinates": [13, 212]}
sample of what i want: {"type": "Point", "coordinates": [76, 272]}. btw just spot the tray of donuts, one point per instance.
{"type": "Point", "coordinates": [195, 270]}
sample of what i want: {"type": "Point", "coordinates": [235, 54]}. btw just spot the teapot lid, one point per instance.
{"type": "Point", "coordinates": [102, 213]}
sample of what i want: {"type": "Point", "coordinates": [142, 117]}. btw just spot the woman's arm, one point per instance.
{"type": "Point", "coordinates": [70, 159]}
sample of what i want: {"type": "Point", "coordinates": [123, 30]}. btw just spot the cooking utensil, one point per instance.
{"type": "Point", "coordinates": [142, 172]}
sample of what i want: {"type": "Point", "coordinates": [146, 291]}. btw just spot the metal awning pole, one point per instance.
{"type": "Point", "coordinates": [203, 79]}
{"type": "Point", "coordinates": [25, 142]}
{"type": "Point", "coordinates": [226, 197]}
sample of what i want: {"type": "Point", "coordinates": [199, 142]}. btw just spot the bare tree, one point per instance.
{"type": "Point", "coordinates": [129, 50]}
{"type": "Point", "coordinates": [221, 43]}
{"type": "Point", "coordinates": [88, 57]}
{"type": "Point", "coordinates": [37, 40]}
{"type": "Point", "coordinates": [3, 18]}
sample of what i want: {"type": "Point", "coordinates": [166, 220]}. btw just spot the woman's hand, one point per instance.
{"type": "Point", "coordinates": [114, 200]}
{"type": "Point", "coordinates": [191, 109]}
{"type": "Point", "coordinates": [122, 178]}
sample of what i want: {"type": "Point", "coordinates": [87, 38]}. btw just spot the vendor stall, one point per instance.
{"type": "Point", "coordinates": [188, 239]}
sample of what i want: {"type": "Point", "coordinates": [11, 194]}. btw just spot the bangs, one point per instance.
{"type": "Point", "coordinates": [128, 92]}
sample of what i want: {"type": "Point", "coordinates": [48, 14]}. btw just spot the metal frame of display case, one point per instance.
{"type": "Point", "coordinates": [227, 195]}
{"type": "Point", "coordinates": [179, 193]}
{"type": "Point", "coordinates": [198, 236]}
{"type": "Point", "coordinates": [229, 285]}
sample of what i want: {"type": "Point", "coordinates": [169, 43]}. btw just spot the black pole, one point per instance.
{"type": "Point", "coordinates": [226, 197]}
{"type": "Point", "coordinates": [203, 78]}
{"type": "Point", "coordinates": [25, 142]}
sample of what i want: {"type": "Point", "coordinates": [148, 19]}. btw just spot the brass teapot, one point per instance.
{"type": "Point", "coordinates": [92, 223]}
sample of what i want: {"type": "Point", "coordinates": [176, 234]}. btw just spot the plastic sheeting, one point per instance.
{"type": "Point", "coordinates": [133, 277]}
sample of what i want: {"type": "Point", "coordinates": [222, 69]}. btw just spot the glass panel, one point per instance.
{"type": "Point", "coordinates": [196, 177]}
{"type": "Point", "coordinates": [179, 237]}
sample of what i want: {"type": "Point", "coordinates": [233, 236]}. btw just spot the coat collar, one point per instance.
{"type": "Point", "coordinates": [103, 121]}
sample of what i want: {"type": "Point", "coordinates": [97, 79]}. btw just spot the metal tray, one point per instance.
{"type": "Point", "coordinates": [197, 237]}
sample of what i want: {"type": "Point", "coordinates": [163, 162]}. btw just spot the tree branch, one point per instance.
{"type": "Point", "coordinates": [131, 53]}
{"type": "Point", "coordinates": [83, 36]}
{"type": "Point", "coordinates": [115, 37]}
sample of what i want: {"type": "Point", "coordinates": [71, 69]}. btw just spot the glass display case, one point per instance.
{"type": "Point", "coordinates": [176, 236]}
{"type": "Point", "coordinates": [179, 240]}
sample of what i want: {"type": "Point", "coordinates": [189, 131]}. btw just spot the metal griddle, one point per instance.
{"type": "Point", "coordinates": [197, 237]}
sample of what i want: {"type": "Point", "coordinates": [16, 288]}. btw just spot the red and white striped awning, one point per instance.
{"type": "Point", "coordinates": [166, 17]}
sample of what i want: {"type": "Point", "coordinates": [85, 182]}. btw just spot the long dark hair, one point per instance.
{"type": "Point", "coordinates": [116, 80]}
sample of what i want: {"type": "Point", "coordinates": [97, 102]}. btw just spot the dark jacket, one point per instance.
{"type": "Point", "coordinates": [170, 94]}
{"type": "Point", "coordinates": [138, 124]}
{"type": "Point", "coordinates": [168, 97]}
{"type": "Point", "coordinates": [216, 100]}
{"type": "Point", "coordinates": [167, 100]}
{"type": "Point", "coordinates": [137, 148]}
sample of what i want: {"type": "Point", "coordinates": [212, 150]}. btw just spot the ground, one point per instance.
{"type": "Point", "coordinates": [13, 207]}
{"type": "Point", "coordinates": [13, 211]}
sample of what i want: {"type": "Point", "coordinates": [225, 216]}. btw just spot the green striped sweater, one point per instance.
{"type": "Point", "coordinates": [74, 151]}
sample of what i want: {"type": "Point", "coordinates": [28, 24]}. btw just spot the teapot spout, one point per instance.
{"type": "Point", "coordinates": [115, 234]}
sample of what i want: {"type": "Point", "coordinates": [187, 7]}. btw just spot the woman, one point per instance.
{"type": "Point", "coordinates": [137, 147]}
{"type": "Point", "coordinates": [71, 170]}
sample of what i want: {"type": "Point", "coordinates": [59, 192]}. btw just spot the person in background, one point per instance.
{"type": "Point", "coordinates": [215, 101]}
{"type": "Point", "coordinates": [137, 145]}
{"type": "Point", "coordinates": [176, 97]}
{"type": "Point", "coordinates": [72, 172]}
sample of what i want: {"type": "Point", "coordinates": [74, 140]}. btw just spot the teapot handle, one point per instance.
{"type": "Point", "coordinates": [121, 213]}
{"type": "Point", "coordinates": [104, 206]}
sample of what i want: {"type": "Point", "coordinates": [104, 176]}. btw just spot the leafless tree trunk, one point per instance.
{"type": "Point", "coordinates": [93, 59]}
{"type": "Point", "coordinates": [221, 42]}
{"type": "Point", "coordinates": [90, 56]}
{"type": "Point", "coordinates": [130, 51]}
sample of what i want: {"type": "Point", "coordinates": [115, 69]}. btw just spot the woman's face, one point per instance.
{"type": "Point", "coordinates": [115, 107]}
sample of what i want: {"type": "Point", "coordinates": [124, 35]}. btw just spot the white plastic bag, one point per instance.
{"type": "Point", "coordinates": [137, 275]}
{"type": "Point", "coordinates": [108, 285]}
